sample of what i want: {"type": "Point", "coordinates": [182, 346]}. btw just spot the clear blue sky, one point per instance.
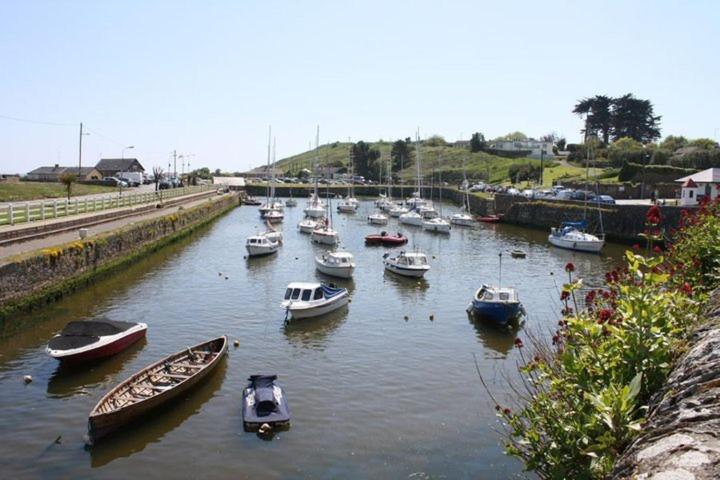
{"type": "Point", "coordinates": [208, 77]}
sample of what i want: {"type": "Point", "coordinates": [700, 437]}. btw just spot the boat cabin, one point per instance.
{"type": "Point", "coordinates": [304, 292]}
{"type": "Point", "coordinates": [497, 295]}
{"type": "Point", "coordinates": [340, 259]}
{"type": "Point", "coordinates": [259, 240]}
{"type": "Point", "coordinates": [412, 259]}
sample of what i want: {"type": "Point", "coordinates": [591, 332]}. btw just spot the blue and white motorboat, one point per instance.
{"type": "Point", "coordinates": [499, 305]}
{"type": "Point", "coordinates": [264, 404]}
{"type": "Point", "coordinates": [306, 299]}
{"type": "Point", "coordinates": [573, 236]}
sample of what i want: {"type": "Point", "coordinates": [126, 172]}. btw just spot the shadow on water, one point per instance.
{"type": "Point", "coordinates": [497, 339]}
{"type": "Point", "coordinates": [406, 284]}
{"type": "Point", "coordinates": [314, 332]}
{"type": "Point", "coordinates": [158, 423]}
{"type": "Point", "coordinates": [257, 264]}
{"type": "Point", "coordinates": [69, 380]}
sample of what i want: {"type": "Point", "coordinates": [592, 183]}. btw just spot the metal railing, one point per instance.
{"type": "Point", "coordinates": [32, 211]}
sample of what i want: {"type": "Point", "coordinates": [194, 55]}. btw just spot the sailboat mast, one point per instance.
{"type": "Point", "coordinates": [417, 162]}
{"type": "Point", "coordinates": [267, 189]}
{"type": "Point", "coordinates": [317, 162]}
{"type": "Point", "coordinates": [272, 175]}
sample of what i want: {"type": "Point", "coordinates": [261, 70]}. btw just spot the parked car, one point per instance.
{"type": "Point", "coordinates": [582, 195]}
{"type": "Point", "coordinates": [605, 199]}
{"type": "Point", "coordinates": [134, 179]}
{"type": "Point", "coordinates": [115, 182]}
{"type": "Point", "coordinates": [528, 193]}
{"type": "Point", "coordinates": [165, 185]}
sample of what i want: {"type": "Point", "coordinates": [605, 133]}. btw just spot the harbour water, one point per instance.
{"type": "Point", "coordinates": [385, 388]}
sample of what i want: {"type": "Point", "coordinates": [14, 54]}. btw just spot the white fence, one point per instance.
{"type": "Point", "coordinates": [14, 213]}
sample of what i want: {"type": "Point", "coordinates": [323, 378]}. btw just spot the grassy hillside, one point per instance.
{"type": "Point", "coordinates": [446, 160]}
{"type": "Point", "coordinates": [17, 192]}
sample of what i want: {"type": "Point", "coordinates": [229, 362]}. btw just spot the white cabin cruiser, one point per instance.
{"type": "Point", "coordinates": [348, 205]}
{"type": "Point", "coordinates": [268, 207]}
{"type": "Point", "coordinates": [274, 216]}
{"type": "Point", "coordinates": [436, 224]}
{"type": "Point", "coordinates": [461, 219]}
{"type": "Point", "coordinates": [306, 300]}
{"type": "Point", "coordinates": [408, 264]}
{"type": "Point", "coordinates": [258, 245]}
{"type": "Point", "coordinates": [411, 218]}
{"type": "Point", "coordinates": [571, 236]}
{"type": "Point", "coordinates": [427, 212]}
{"type": "Point", "coordinates": [336, 264]}
{"type": "Point", "coordinates": [398, 210]}
{"type": "Point", "coordinates": [377, 219]}
{"type": "Point", "coordinates": [325, 234]}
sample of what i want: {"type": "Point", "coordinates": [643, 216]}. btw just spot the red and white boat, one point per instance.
{"type": "Point", "coordinates": [383, 238]}
{"type": "Point", "coordinates": [489, 218]}
{"type": "Point", "coordinates": [94, 339]}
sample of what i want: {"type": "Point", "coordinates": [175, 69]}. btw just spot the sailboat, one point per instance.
{"type": "Point", "coordinates": [574, 235]}
{"type": "Point", "coordinates": [315, 207]}
{"type": "Point", "coordinates": [271, 204]}
{"type": "Point", "coordinates": [324, 233]}
{"type": "Point", "coordinates": [463, 217]}
{"type": "Point", "coordinates": [350, 204]}
{"type": "Point", "coordinates": [437, 223]}
{"type": "Point", "coordinates": [415, 201]}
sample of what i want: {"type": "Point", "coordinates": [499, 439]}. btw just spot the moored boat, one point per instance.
{"type": "Point", "coordinates": [264, 404]}
{"type": "Point", "coordinates": [517, 253]}
{"type": "Point", "coordinates": [274, 216]}
{"type": "Point", "coordinates": [377, 219]}
{"type": "Point", "coordinates": [411, 218]}
{"type": "Point", "coordinates": [258, 245]}
{"type": "Point", "coordinates": [489, 218]}
{"type": "Point", "coordinates": [154, 386]}
{"type": "Point", "coordinates": [462, 219]}
{"type": "Point", "coordinates": [305, 300]}
{"type": "Point", "coordinates": [436, 224]}
{"type": "Point", "coordinates": [336, 264]}
{"type": "Point", "coordinates": [383, 238]}
{"type": "Point", "coordinates": [571, 236]}
{"type": "Point", "coordinates": [307, 225]}
{"type": "Point", "coordinates": [89, 340]}
{"type": "Point", "coordinates": [500, 305]}
{"type": "Point", "coordinates": [407, 264]}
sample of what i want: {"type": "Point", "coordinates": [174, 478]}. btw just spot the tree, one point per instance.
{"type": "Point", "coordinates": [157, 175]}
{"type": "Point", "coordinates": [364, 157]}
{"type": "Point", "coordinates": [512, 137]}
{"type": "Point", "coordinates": [435, 141]}
{"type": "Point", "coordinates": [672, 143]}
{"type": "Point", "coordinates": [561, 142]}
{"type": "Point", "coordinates": [477, 142]}
{"type": "Point", "coordinates": [400, 154]}
{"type": "Point", "coordinates": [598, 116]}
{"type": "Point", "coordinates": [68, 179]}
{"type": "Point", "coordinates": [203, 173]}
{"type": "Point", "coordinates": [703, 143]}
{"type": "Point", "coordinates": [634, 118]}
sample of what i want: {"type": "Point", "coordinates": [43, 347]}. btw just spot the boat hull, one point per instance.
{"type": "Point", "coordinates": [579, 245]}
{"type": "Point", "coordinates": [415, 221]}
{"type": "Point", "coordinates": [314, 212]}
{"type": "Point", "coordinates": [102, 351]}
{"type": "Point", "coordinates": [404, 271]}
{"type": "Point", "coordinates": [463, 221]}
{"type": "Point", "coordinates": [489, 219]}
{"type": "Point", "coordinates": [261, 250]}
{"type": "Point", "coordinates": [437, 227]}
{"type": "Point", "coordinates": [324, 238]}
{"type": "Point", "coordinates": [335, 271]}
{"type": "Point", "coordinates": [307, 228]}
{"type": "Point", "coordinates": [102, 424]}
{"type": "Point", "coordinates": [499, 313]}
{"type": "Point", "coordinates": [315, 311]}
{"type": "Point", "coordinates": [377, 220]}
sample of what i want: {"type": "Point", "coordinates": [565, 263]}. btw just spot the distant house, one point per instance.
{"type": "Point", "coordinates": [52, 174]}
{"type": "Point", "coordinates": [536, 148]}
{"type": "Point", "coordinates": [109, 167]}
{"type": "Point", "coordinates": [695, 187]}
{"type": "Point", "coordinates": [9, 178]}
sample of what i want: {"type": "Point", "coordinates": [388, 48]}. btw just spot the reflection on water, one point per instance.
{"type": "Point", "coordinates": [494, 338]}
{"type": "Point", "coordinates": [68, 380]}
{"type": "Point", "coordinates": [152, 427]}
{"type": "Point", "coordinates": [368, 384]}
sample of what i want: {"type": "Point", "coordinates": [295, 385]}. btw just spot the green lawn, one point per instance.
{"type": "Point", "coordinates": [18, 192]}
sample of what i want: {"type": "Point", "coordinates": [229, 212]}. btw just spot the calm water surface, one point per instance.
{"type": "Point", "coordinates": [373, 395]}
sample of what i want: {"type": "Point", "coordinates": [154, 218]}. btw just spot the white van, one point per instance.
{"type": "Point", "coordinates": [135, 179]}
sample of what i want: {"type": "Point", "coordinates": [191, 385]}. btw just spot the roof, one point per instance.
{"type": "Point", "coordinates": [305, 285]}
{"type": "Point", "coordinates": [711, 175]}
{"type": "Point", "coordinates": [57, 170]}
{"type": "Point", "coordinates": [117, 164]}
{"type": "Point", "coordinates": [341, 254]}
{"type": "Point", "coordinates": [231, 181]}
{"type": "Point", "coordinates": [690, 184]}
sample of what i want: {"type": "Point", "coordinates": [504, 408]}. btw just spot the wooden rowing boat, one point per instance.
{"type": "Point", "coordinates": [154, 385]}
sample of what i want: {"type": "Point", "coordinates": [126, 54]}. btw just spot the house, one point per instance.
{"type": "Point", "coordinates": [109, 167]}
{"type": "Point", "coordinates": [52, 174]}
{"type": "Point", "coordinates": [695, 187]}
{"type": "Point", "coordinates": [536, 148]}
{"type": "Point", "coordinates": [9, 178]}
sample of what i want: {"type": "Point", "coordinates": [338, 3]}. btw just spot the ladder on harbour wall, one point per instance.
{"type": "Point", "coordinates": [16, 213]}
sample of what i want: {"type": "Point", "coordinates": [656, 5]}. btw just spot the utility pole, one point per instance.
{"type": "Point", "coordinates": [80, 152]}
{"type": "Point", "coordinates": [542, 158]}
{"type": "Point", "coordinates": [175, 163]}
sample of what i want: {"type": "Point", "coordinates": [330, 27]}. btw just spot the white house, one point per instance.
{"type": "Point", "coordinates": [700, 185]}
{"type": "Point", "coordinates": [535, 147]}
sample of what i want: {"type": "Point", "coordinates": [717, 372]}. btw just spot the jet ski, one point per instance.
{"type": "Point", "coordinates": [264, 404]}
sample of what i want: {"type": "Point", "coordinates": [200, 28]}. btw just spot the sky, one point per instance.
{"type": "Point", "coordinates": [206, 78]}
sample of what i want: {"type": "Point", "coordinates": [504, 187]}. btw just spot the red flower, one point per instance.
{"type": "Point", "coordinates": [497, 408]}
{"type": "Point", "coordinates": [686, 289]}
{"type": "Point", "coordinates": [605, 315]}
{"type": "Point", "coordinates": [590, 297]}
{"type": "Point", "coordinates": [518, 343]}
{"type": "Point", "coordinates": [657, 249]}
{"type": "Point", "coordinates": [567, 311]}
{"type": "Point", "coordinates": [507, 411]}
{"type": "Point", "coordinates": [653, 216]}
{"type": "Point", "coordinates": [564, 295]}
{"type": "Point", "coordinates": [556, 339]}
{"type": "Point", "coordinates": [636, 246]}
{"type": "Point", "coordinates": [569, 267]}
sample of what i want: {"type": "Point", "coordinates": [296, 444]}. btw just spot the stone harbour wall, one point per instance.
{"type": "Point", "coordinates": [681, 438]}
{"type": "Point", "coordinates": [35, 278]}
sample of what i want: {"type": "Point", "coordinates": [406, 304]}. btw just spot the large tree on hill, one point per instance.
{"type": "Point", "coordinates": [364, 158]}
{"type": "Point", "coordinates": [634, 118]}
{"type": "Point", "coordinates": [477, 142]}
{"type": "Point", "coordinates": [598, 116]}
{"type": "Point", "coordinates": [400, 154]}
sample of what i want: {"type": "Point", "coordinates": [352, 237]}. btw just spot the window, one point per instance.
{"type": "Point", "coordinates": [318, 294]}
{"type": "Point", "coordinates": [690, 193]}
{"type": "Point", "coordinates": [306, 295]}
{"type": "Point", "coordinates": [504, 296]}
{"type": "Point", "coordinates": [295, 294]}
{"type": "Point", "coordinates": [488, 296]}
{"type": "Point", "coordinates": [287, 293]}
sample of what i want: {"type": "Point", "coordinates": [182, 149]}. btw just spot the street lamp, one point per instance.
{"type": "Point", "coordinates": [122, 155]}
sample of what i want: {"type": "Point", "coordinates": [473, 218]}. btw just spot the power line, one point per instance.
{"type": "Point", "coordinates": [104, 136]}
{"type": "Point", "coordinates": [39, 122]}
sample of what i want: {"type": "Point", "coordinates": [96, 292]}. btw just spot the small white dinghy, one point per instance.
{"type": "Point", "coordinates": [336, 264]}
{"type": "Point", "coordinates": [307, 225]}
{"type": "Point", "coordinates": [258, 245]}
{"type": "Point", "coordinates": [306, 300]}
{"type": "Point", "coordinates": [377, 219]}
{"type": "Point", "coordinates": [436, 224]}
{"type": "Point", "coordinates": [407, 264]}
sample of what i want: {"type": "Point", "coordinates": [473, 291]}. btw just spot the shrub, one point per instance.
{"type": "Point", "coordinates": [587, 393]}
